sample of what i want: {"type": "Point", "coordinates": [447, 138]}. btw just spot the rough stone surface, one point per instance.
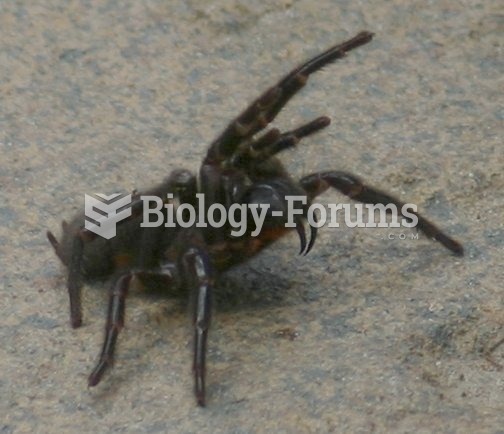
{"type": "Point", "coordinates": [388, 335]}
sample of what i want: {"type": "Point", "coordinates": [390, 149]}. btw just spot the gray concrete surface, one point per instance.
{"type": "Point", "coordinates": [389, 335]}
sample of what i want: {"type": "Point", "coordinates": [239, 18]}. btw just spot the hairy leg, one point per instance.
{"type": "Point", "coordinates": [354, 188]}
{"type": "Point", "coordinates": [265, 108]}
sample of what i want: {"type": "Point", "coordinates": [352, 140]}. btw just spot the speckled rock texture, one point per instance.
{"type": "Point", "coordinates": [366, 333]}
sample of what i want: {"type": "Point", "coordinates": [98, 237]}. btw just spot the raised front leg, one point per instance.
{"type": "Point", "coordinates": [354, 188]}
{"type": "Point", "coordinates": [265, 108]}
{"type": "Point", "coordinates": [273, 142]}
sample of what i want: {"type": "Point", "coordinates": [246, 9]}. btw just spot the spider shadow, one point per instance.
{"type": "Point", "coordinates": [246, 287]}
{"type": "Point", "coordinates": [250, 288]}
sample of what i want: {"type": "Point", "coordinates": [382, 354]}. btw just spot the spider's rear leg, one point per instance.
{"type": "Point", "coordinates": [74, 279]}
{"type": "Point", "coordinates": [73, 260]}
{"type": "Point", "coordinates": [265, 108]}
{"type": "Point", "coordinates": [354, 188]}
{"type": "Point", "coordinates": [74, 283]}
{"type": "Point", "coordinates": [116, 312]}
{"type": "Point", "coordinates": [115, 322]}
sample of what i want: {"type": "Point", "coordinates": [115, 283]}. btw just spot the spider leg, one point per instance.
{"type": "Point", "coordinates": [74, 262]}
{"type": "Point", "coordinates": [54, 242]}
{"type": "Point", "coordinates": [115, 317]}
{"type": "Point", "coordinates": [56, 245]}
{"type": "Point", "coordinates": [74, 281]}
{"type": "Point", "coordinates": [354, 188]}
{"type": "Point", "coordinates": [265, 108]}
{"type": "Point", "coordinates": [115, 322]}
{"type": "Point", "coordinates": [198, 271]}
{"type": "Point", "coordinates": [272, 142]}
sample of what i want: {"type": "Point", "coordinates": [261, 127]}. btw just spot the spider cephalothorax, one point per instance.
{"type": "Point", "coordinates": [239, 168]}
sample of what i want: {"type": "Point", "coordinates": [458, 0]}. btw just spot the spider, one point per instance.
{"type": "Point", "coordinates": [239, 167]}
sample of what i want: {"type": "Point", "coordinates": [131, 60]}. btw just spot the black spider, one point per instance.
{"type": "Point", "coordinates": [238, 168]}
